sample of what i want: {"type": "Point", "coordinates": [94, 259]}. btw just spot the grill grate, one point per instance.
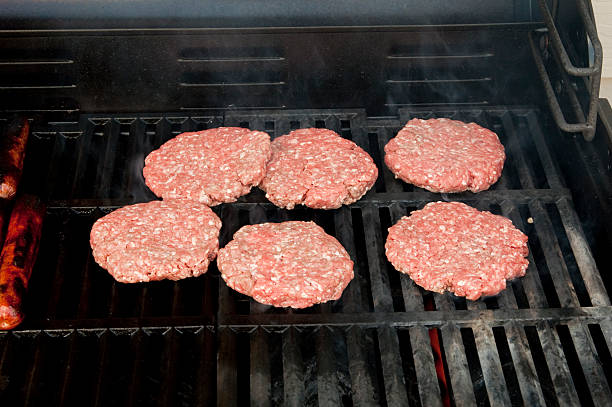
{"type": "Point", "coordinates": [87, 338]}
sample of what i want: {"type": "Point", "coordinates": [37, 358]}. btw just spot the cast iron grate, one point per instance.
{"type": "Point", "coordinates": [87, 338]}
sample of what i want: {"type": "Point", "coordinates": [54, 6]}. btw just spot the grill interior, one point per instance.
{"type": "Point", "coordinates": [89, 340]}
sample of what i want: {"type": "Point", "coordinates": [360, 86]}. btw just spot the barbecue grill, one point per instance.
{"type": "Point", "coordinates": [105, 83]}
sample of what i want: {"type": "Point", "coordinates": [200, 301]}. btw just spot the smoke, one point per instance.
{"type": "Point", "coordinates": [440, 67]}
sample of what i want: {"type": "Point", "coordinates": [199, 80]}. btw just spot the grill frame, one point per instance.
{"type": "Point", "coordinates": [340, 353]}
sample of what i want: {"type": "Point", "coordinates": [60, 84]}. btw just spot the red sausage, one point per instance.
{"type": "Point", "coordinates": [3, 220]}
{"type": "Point", "coordinates": [12, 152]}
{"type": "Point", "coordinates": [18, 257]}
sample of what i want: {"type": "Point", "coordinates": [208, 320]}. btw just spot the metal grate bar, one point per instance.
{"type": "Point", "coordinates": [80, 272]}
{"type": "Point", "coordinates": [227, 380]}
{"type": "Point", "coordinates": [54, 177]}
{"type": "Point", "coordinates": [293, 369]}
{"type": "Point", "coordinates": [455, 357]}
{"type": "Point", "coordinates": [327, 380]}
{"type": "Point", "coordinates": [176, 298]}
{"type": "Point", "coordinates": [345, 234]}
{"type": "Point", "coordinates": [464, 318]}
{"type": "Point", "coordinates": [227, 368]}
{"type": "Point", "coordinates": [412, 295]}
{"type": "Point", "coordinates": [103, 360]}
{"type": "Point", "coordinates": [362, 381]}
{"type": "Point", "coordinates": [484, 119]}
{"type": "Point", "coordinates": [553, 255]}
{"type": "Point", "coordinates": [260, 369]}
{"type": "Point", "coordinates": [230, 225]}
{"type": "Point", "coordinates": [142, 302]}
{"type": "Point", "coordinates": [106, 163]}
{"type": "Point", "coordinates": [395, 389]}
{"type": "Point", "coordinates": [205, 374]}
{"type": "Point", "coordinates": [81, 161]}
{"type": "Point", "coordinates": [131, 179]}
{"type": "Point", "coordinates": [260, 382]}
{"type": "Point", "coordinates": [549, 165]}
{"type": "Point", "coordinates": [511, 173]}
{"type": "Point", "coordinates": [387, 338]}
{"type": "Point", "coordinates": [127, 141]}
{"type": "Point", "coordinates": [427, 380]}
{"type": "Point", "coordinates": [606, 328]}
{"type": "Point", "coordinates": [58, 276]}
{"type": "Point", "coordinates": [8, 359]}
{"type": "Point", "coordinates": [513, 143]}
{"type": "Point", "coordinates": [83, 306]}
{"type": "Point", "coordinates": [582, 254]}
{"type": "Point", "coordinates": [169, 369]}
{"type": "Point", "coordinates": [209, 299]}
{"type": "Point", "coordinates": [35, 368]}
{"type": "Point", "coordinates": [489, 359]}
{"type": "Point", "coordinates": [392, 184]}
{"type": "Point", "coordinates": [491, 366]}
{"type": "Point", "coordinates": [595, 377]}
{"type": "Point", "coordinates": [476, 305]}
{"type": "Point", "coordinates": [378, 277]}
{"type": "Point", "coordinates": [531, 391]}
{"type": "Point", "coordinates": [531, 281]}
{"type": "Point", "coordinates": [162, 130]}
{"type": "Point", "coordinates": [72, 352]}
{"type": "Point", "coordinates": [136, 348]}
{"type": "Point", "coordinates": [114, 298]}
{"type": "Point", "coordinates": [557, 366]}
{"type": "Point", "coordinates": [372, 198]}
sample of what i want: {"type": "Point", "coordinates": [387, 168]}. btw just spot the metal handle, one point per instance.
{"type": "Point", "coordinates": [586, 124]}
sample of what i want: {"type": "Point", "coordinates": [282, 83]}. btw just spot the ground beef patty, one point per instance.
{"type": "Point", "coordinates": [156, 240]}
{"type": "Point", "coordinates": [288, 264]}
{"type": "Point", "coordinates": [210, 166]}
{"type": "Point", "coordinates": [444, 155]}
{"type": "Point", "coordinates": [452, 246]}
{"type": "Point", "coordinates": [317, 168]}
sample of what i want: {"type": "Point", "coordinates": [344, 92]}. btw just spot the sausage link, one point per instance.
{"type": "Point", "coordinates": [12, 152]}
{"type": "Point", "coordinates": [18, 257]}
{"type": "Point", "coordinates": [3, 220]}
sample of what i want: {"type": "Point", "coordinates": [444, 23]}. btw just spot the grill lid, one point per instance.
{"type": "Point", "coordinates": [258, 13]}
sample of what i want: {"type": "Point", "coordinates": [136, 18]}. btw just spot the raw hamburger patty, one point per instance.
{"type": "Point", "coordinates": [452, 246]}
{"type": "Point", "coordinates": [156, 240]}
{"type": "Point", "coordinates": [444, 155]}
{"type": "Point", "coordinates": [210, 166]}
{"type": "Point", "coordinates": [317, 168]}
{"type": "Point", "coordinates": [288, 264]}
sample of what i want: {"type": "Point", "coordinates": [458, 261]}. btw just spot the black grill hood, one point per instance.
{"type": "Point", "coordinates": [258, 13]}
